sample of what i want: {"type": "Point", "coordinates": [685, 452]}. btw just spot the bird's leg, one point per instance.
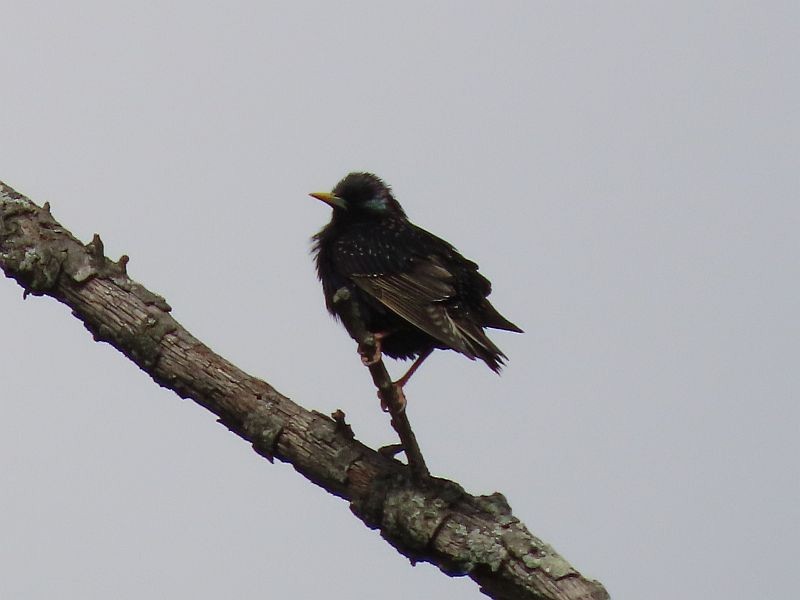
{"type": "Point", "coordinates": [398, 385]}
{"type": "Point", "coordinates": [412, 369]}
{"type": "Point", "coordinates": [370, 356]}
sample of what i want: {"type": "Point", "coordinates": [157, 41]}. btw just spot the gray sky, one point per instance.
{"type": "Point", "coordinates": [625, 173]}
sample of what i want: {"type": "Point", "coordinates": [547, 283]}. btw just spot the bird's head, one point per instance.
{"type": "Point", "coordinates": [361, 196]}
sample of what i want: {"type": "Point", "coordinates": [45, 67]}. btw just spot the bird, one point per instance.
{"type": "Point", "coordinates": [414, 291]}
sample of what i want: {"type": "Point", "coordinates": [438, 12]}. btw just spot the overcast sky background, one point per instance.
{"type": "Point", "coordinates": [626, 174]}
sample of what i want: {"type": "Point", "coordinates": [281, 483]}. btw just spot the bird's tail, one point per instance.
{"type": "Point", "coordinates": [492, 318]}
{"type": "Point", "coordinates": [480, 346]}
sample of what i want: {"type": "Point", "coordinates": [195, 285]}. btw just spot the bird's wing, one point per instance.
{"type": "Point", "coordinates": [418, 277]}
{"type": "Point", "coordinates": [419, 295]}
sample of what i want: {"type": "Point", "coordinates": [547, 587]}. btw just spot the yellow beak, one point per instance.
{"type": "Point", "coordinates": [329, 198]}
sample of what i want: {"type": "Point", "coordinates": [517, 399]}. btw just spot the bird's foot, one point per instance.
{"type": "Point", "coordinates": [395, 400]}
{"type": "Point", "coordinates": [371, 354]}
{"type": "Point", "coordinates": [370, 359]}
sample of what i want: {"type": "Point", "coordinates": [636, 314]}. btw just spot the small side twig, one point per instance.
{"type": "Point", "coordinates": [387, 391]}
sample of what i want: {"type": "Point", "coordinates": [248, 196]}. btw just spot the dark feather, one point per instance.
{"type": "Point", "coordinates": [411, 284]}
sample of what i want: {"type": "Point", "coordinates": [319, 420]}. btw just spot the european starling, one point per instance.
{"type": "Point", "coordinates": [413, 290]}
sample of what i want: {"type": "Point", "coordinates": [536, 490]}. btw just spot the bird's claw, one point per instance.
{"type": "Point", "coordinates": [369, 359]}
{"type": "Point", "coordinates": [371, 353]}
{"type": "Point", "coordinates": [395, 397]}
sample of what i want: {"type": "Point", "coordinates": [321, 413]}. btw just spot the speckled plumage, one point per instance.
{"type": "Point", "coordinates": [410, 285]}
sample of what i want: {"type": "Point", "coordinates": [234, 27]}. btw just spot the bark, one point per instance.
{"type": "Point", "coordinates": [424, 518]}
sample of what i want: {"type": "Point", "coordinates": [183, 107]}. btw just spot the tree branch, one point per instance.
{"type": "Point", "coordinates": [426, 519]}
